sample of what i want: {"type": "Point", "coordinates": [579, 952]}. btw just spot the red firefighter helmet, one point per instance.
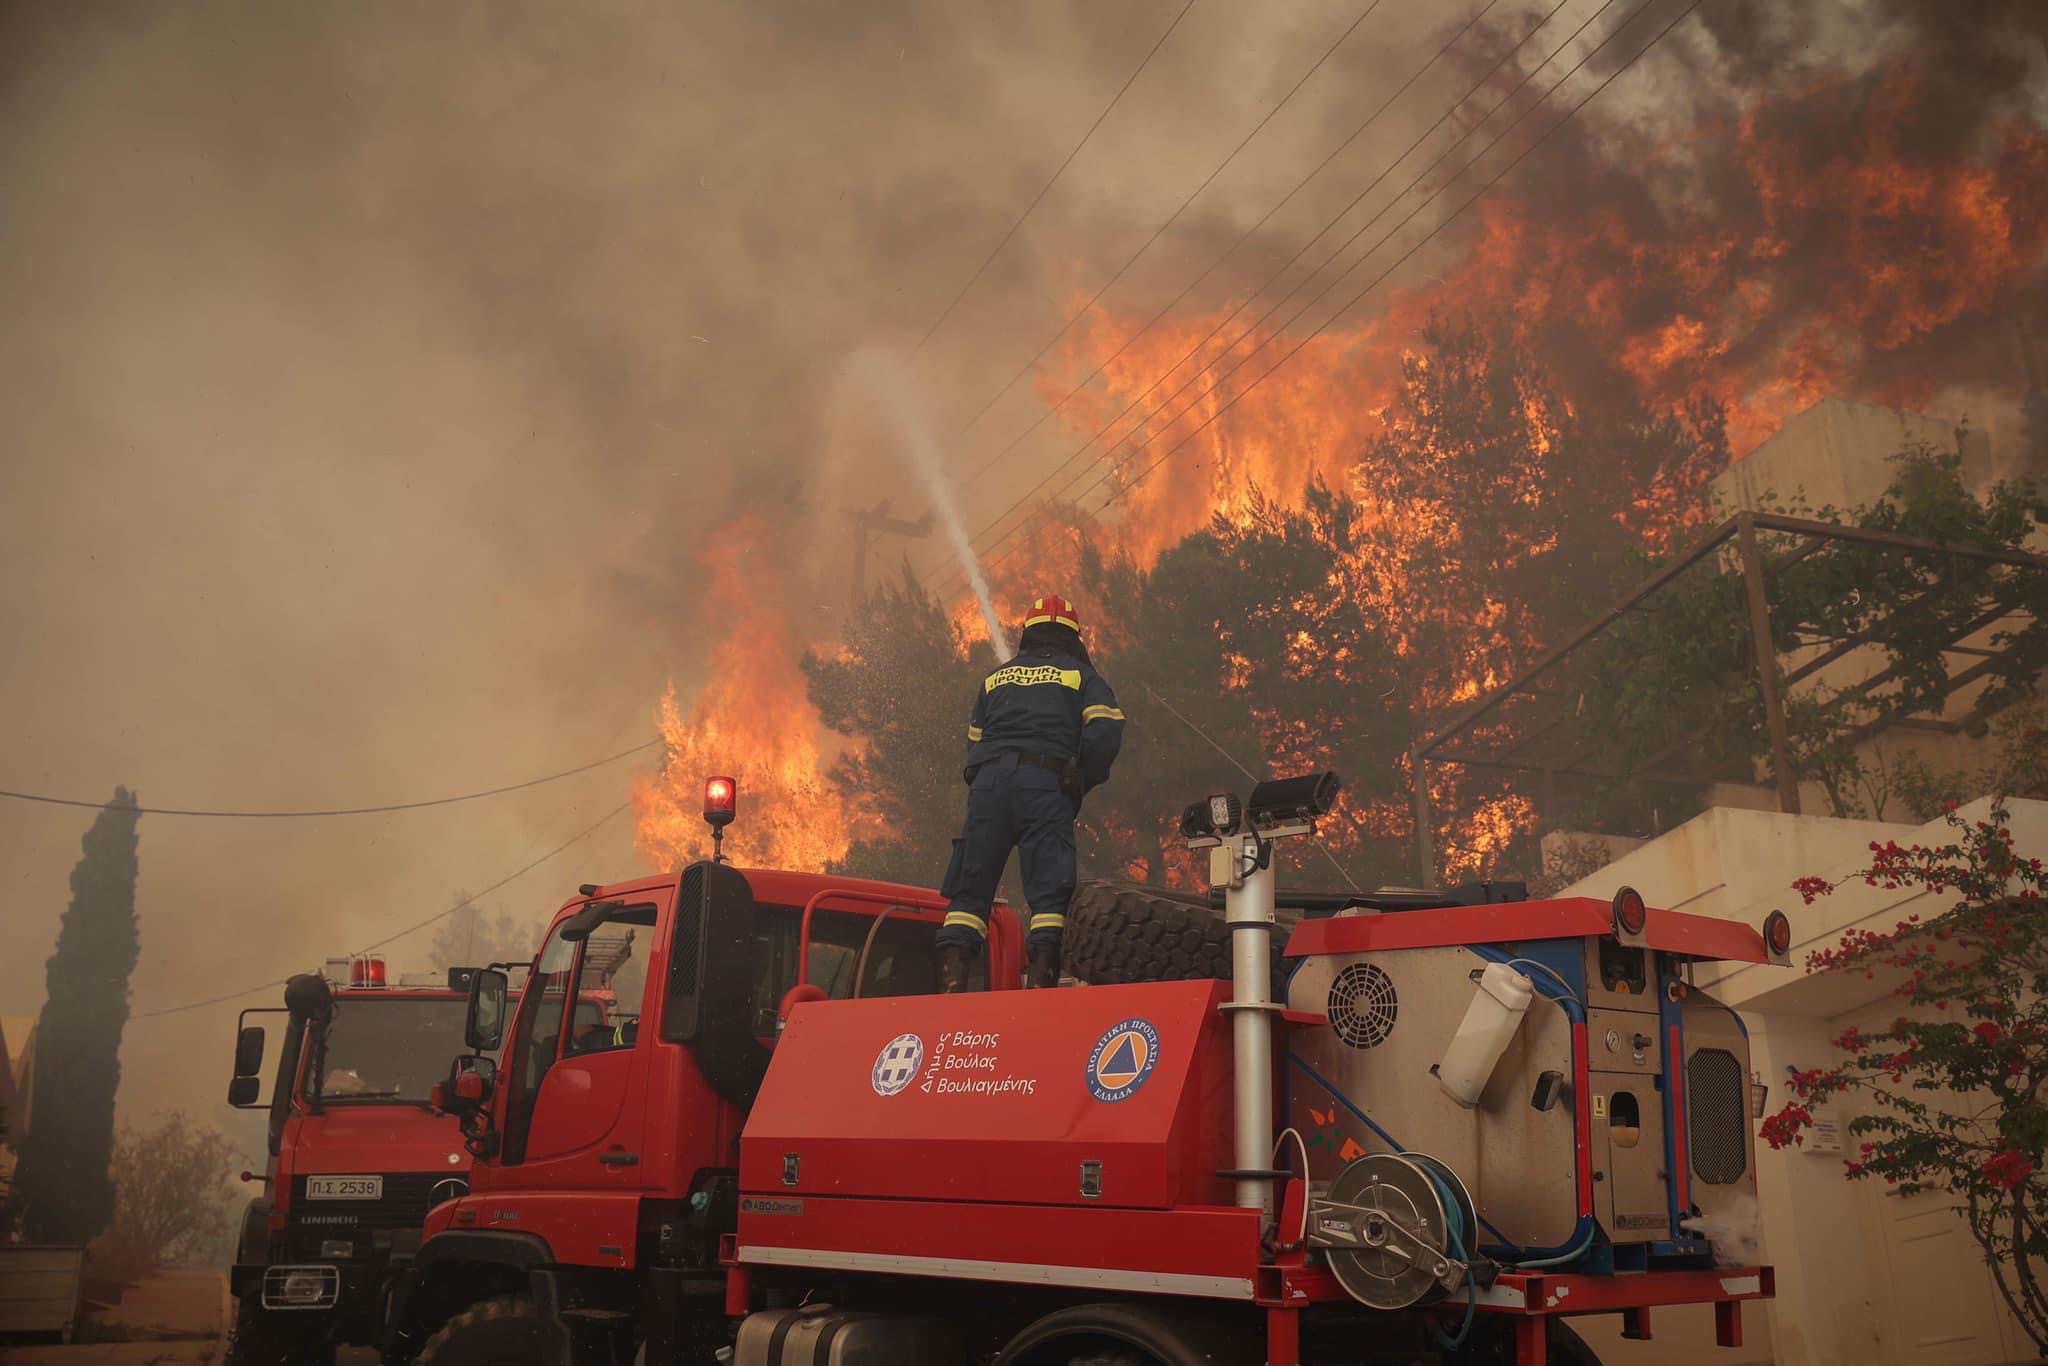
{"type": "Point", "coordinates": [1056, 610]}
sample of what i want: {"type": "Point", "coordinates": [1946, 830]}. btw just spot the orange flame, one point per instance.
{"type": "Point", "coordinates": [748, 717]}
{"type": "Point", "coordinates": [1830, 252]}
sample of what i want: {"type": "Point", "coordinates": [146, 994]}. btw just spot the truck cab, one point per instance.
{"type": "Point", "coordinates": [357, 1156]}
{"type": "Point", "coordinates": [606, 1148]}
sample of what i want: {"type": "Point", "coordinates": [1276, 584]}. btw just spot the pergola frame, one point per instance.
{"type": "Point", "coordinates": [1455, 742]}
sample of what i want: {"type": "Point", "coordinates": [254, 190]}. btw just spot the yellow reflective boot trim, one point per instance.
{"type": "Point", "coordinates": [1048, 922]}
{"type": "Point", "coordinates": [967, 918]}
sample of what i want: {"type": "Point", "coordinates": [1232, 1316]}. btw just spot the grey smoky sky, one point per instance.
{"type": "Point", "coordinates": [370, 372]}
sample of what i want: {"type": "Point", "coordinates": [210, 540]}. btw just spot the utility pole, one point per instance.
{"type": "Point", "coordinates": [2034, 433]}
{"type": "Point", "coordinates": [877, 521]}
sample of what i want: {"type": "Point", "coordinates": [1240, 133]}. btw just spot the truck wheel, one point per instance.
{"type": "Point", "coordinates": [1130, 932]}
{"type": "Point", "coordinates": [263, 1337]}
{"type": "Point", "coordinates": [508, 1331]}
{"type": "Point", "coordinates": [1565, 1347]}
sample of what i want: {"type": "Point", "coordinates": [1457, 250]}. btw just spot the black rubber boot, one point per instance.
{"type": "Point", "coordinates": [952, 968]}
{"type": "Point", "coordinates": [1042, 967]}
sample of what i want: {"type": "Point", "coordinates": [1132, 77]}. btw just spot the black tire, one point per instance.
{"type": "Point", "coordinates": [1565, 1346]}
{"type": "Point", "coordinates": [508, 1331]}
{"type": "Point", "coordinates": [1129, 932]}
{"type": "Point", "coordinates": [266, 1337]}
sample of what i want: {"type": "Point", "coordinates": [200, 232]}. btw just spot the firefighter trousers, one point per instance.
{"type": "Point", "coordinates": [1011, 806]}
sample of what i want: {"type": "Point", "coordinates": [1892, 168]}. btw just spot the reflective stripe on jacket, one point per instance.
{"type": "Point", "coordinates": [1050, 703]}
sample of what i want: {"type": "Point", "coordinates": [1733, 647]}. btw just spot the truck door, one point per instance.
{"type": "Point", "coordinates": [576, 1091]}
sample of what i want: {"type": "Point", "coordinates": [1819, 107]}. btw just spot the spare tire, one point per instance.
{"type": "Point", "coordinates": [1133, 932]}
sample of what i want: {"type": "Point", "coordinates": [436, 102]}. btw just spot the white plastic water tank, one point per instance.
{"type": "Point", "coordinates": [1496, 1012]}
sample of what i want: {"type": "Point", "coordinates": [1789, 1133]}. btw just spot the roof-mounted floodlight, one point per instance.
{"type": "Point", "coordinates": [1292, 805]}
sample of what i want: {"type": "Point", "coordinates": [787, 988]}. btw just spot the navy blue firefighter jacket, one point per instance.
{"type": "Point", "coordinates": [1049, 703]}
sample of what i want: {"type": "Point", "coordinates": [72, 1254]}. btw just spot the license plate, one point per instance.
{"type": "Point", "coordinates": [344, 1188]}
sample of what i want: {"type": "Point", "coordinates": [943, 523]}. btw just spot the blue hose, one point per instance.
{"type": "Point", "coordinates": [1454, 1226]}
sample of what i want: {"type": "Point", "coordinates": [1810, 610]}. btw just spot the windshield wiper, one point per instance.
{"type": "Point", "coordinates": [363, 1095]}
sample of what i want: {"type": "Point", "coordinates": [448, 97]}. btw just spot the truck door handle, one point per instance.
{"type": "Point", "coordinates": [619, 1159]}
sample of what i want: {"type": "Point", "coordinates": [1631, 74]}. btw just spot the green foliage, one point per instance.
{"type": "Point", "coordinates": [62, 1193]}
{"type": "Point", "coordinates": [1673, 685]}
{"type": "Point", "coordinates": [2018, 769]}
{"type": "Point", "coordinates": [1955, 1084]}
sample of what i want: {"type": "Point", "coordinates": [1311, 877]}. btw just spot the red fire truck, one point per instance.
{"type": "Point", "coordinates": [1464, 1124]}
{"type": "Point", "coordinates": [356, 1155]}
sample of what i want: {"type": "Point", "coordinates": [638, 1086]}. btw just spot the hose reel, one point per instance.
{"type": "Point", "coordinates": [1397, 1230]}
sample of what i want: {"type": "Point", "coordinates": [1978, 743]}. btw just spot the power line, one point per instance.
{"type": "Point", "coordinates": [1335, 253]}
{"type": "Point", "coordinates": [1157, 233]}
{"type": "Point", "coordinates": [342, 811]}
{"type": "Point", "coordinates": [1375, 282]}
{"type": "Point", "coordinates": [1174, 711]}
{"type": "Point", "coordinates": [509, 878]}
{"type": "Point", "coordinates": [1228, 252]}
{"type": "Point", "coordinates": [1443, 51]}
{"type": "Point", "coordinates": [980, 270]}
{"type": "Point", "coordinates": [1366, 255]}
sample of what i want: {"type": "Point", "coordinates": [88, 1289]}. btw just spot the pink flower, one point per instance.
{"type": "Point", "coordinates": [2007, 1169]}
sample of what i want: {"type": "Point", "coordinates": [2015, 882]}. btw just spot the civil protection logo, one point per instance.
{"type": "Point", "coordinates": [897, 1066]}
{"type": "Point", "coordinates": [1123, 1058]}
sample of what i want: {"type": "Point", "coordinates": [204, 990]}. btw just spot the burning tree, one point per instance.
{"type": "Point", "coordinates": [901, 683]}
{"type": "Point", "coordinates": [1955, 1084]}
{"type": "Point", "coordinates": [62, 1193]}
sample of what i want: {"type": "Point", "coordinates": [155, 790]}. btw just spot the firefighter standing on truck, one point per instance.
{"type": "Point", "coordinates": [1044, 730]}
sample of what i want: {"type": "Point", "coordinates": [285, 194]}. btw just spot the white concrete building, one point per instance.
{"type": "Point", "coordinates": [1865, 1277]}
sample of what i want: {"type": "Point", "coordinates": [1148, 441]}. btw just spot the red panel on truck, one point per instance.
{"type": "Point", "coordinates": [1000, 1096]}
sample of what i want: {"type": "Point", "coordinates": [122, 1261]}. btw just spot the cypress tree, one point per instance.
{"type": "Point", "coordinates": [62, 1189]}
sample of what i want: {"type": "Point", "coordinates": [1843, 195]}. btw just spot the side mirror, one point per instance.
{"type": "Point", "coordinates": [474, 1078]}
{"type": "Point", "coordinates": [243, 1091]}
{"type": "Point", "coordinates": [471, 1079]}
{"type": "Point", "coordinates": [249, 1051]}
{"type": "Point", "coordinates": [484, 1030]}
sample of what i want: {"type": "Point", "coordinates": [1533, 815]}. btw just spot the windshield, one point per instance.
{"type": "Point", "coordinates": [390, 1049]}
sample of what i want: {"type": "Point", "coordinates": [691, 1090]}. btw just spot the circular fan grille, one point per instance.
{"type": "Point", "coordinates": [1362, 1005]}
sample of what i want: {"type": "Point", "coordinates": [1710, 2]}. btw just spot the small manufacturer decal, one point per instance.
{"type": "Point", "coordinates": [762, 1204]}
{"type": "Point", "coordinates": [897, 1065]}
{"type": "Point", "coordinates": [1123, 1058]}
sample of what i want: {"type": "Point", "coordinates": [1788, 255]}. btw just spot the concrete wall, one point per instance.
{"type": "Point", "coordinates": [1727, 858]}
{"type": "Point", "coordinates": [1836, 453]}
{"type": "Point", "coordinates": [1834, 1289]}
